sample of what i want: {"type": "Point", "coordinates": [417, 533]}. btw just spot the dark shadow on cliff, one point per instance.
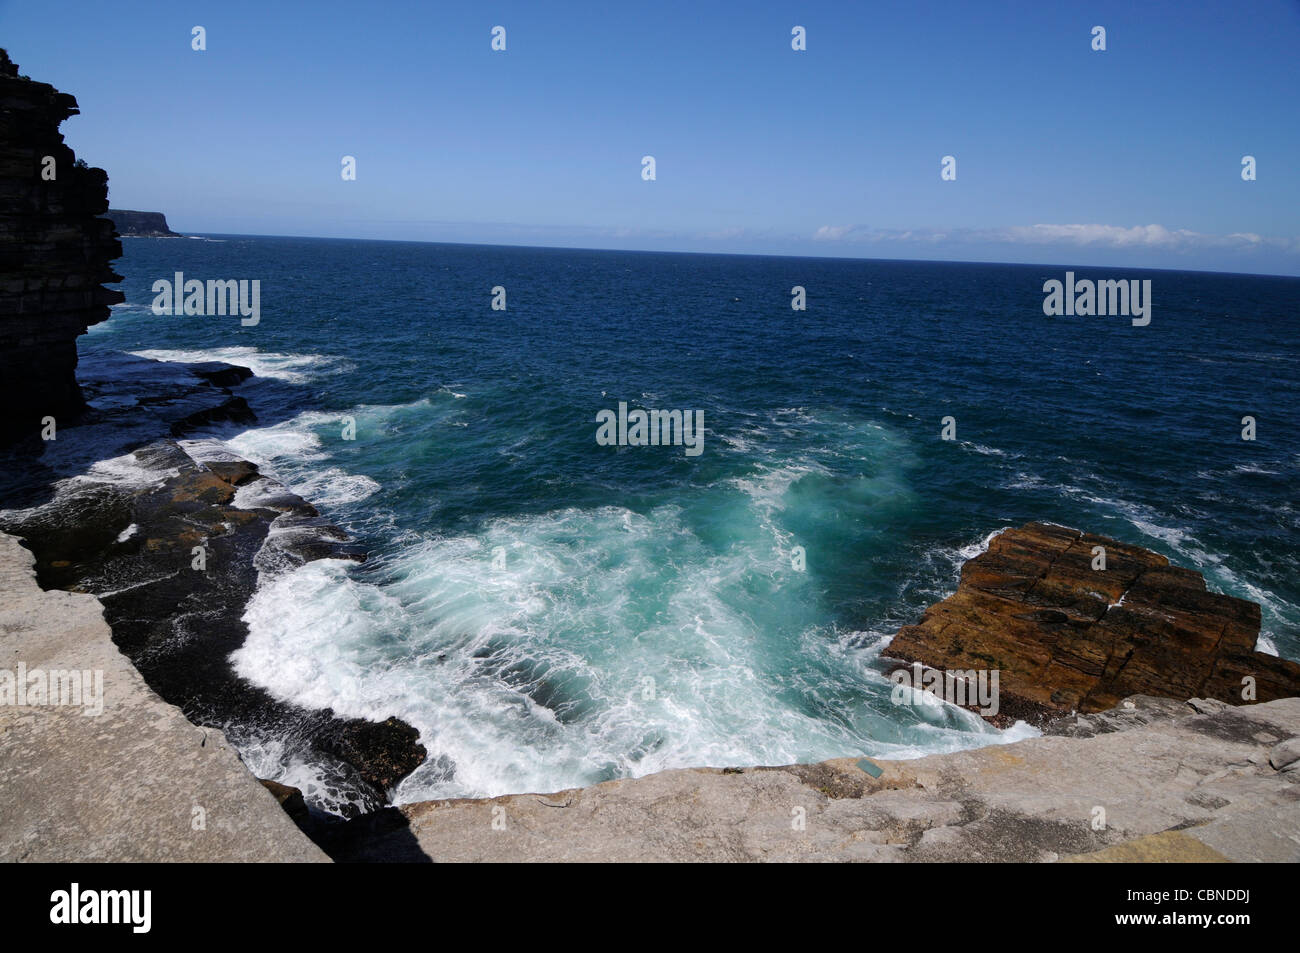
{"type": "Point", "coordinates": [383, 836]}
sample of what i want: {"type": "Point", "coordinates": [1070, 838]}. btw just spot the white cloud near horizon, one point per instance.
{"type": "Point", "coordinates": [1096, 236]}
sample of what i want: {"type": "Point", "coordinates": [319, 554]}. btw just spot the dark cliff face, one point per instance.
{"type": "Point", "coordinates": [55, 254]}
{"type": "Point", "coordinates": [141, 224]}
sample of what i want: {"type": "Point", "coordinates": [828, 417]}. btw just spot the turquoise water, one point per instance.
{"type": "Point", "coordinates": [550, 612]}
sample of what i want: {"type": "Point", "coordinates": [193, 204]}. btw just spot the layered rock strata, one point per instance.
{"type": "Point", "coordinates": [1065, 636]}
{"type": "Point", "coordinates": [55, 254]}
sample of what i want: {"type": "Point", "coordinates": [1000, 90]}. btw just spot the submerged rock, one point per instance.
{"type": "Point", "coordinates": [1065, 636]}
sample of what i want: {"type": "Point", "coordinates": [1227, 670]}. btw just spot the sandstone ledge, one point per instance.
{"type": "Point", "coordinates": [1175, 783]}
{"type": "Point", "coordinates": [122, 785]}
{"type": "Point", "coordinates": [1064, 636]}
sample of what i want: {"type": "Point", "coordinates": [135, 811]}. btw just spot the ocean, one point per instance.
{"type": "Point", "coordinates": [551, 612]}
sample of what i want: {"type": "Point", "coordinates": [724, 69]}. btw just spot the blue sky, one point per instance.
{"type": "Point", "coordinates": [1130, 156]}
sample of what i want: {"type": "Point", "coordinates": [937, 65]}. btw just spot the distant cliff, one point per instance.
{"type": "Point", "coordinates": [141, 224]}
{"type": "Point", "coordinates": [55, 254]}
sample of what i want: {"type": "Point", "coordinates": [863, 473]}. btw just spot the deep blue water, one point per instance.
{"type": "Point", "coordinates": [475, 431]}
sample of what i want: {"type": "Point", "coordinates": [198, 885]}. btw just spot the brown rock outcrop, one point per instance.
{"type": "Point", "coordinates": [1066, 637]}
{"type": "Point", "coordinates": [54, 254]}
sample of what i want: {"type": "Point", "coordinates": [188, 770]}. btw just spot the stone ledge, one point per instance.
{"type": "Point", "coordinates": [121, 785]}
{"type": "Point", "coordinates": [1175, 784]}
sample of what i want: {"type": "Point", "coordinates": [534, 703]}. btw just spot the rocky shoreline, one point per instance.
{"type": "Point", "coordinates": [136, 782]}
{"type": "Point", "coordinates": [175, 553]}
{"type": "Point", "coordinates": [1165, 735]}
{"type": "Point", "coordinates": [1163, 773]}
{"type": "Point", "coordinates": [1178, 777]}
{"type": "Point", "coordinates": [1151, 780]}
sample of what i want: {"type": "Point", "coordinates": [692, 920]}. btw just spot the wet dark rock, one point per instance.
{"type": "Point", "coordinates": [384, 752]}
{"type": "Point", "coordinates": [231, 410]}
{"type": "Point", "coordinates": [137, 548]}
{"type": "Point", "coordinates": [234, 472]}
{"type": "Point", "coordinates": [220, 374]}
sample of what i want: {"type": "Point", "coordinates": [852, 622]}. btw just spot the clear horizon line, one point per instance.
{"type": "Point", "coordinates": [659, 251]}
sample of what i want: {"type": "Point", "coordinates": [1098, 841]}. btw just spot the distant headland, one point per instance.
{"type": "Point", "coordinates": [141, 224]}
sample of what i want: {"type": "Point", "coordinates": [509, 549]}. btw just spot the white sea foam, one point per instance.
{"type": "Point", "coordinates": [333, 487]}
{"type": "Point", "coordinates": [531, 676]}
{"type": "Point", "coordinates": [293, 368]}
{"type": "Point", "coordinates": [986, 451]}
{"type": "Point", "coordinates": [971, 550]}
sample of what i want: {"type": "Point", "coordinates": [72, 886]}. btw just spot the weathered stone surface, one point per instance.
{"type": "Point", "coordinates": [55, 255]}
{"type": "Point", "coordinates": [140, 224]}
{"type": "Point", "coordinates": [1285, 756]}
{"type": "Point", "coordinates": [122, 785]}
{"type": "Point", "coordinates": [1066, 637]}
{"type": "Point", "coordinates": [1204, 778]}
{"type": "Point", "coordinates": [234, 472]}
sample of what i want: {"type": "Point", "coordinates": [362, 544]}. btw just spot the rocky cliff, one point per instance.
{"type": "Point", "coordinates": [1069, 633]}
{"type": "Point", "coordinates": [54, 254]}
{"type": "Point", "coordinates": [141, 224]}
